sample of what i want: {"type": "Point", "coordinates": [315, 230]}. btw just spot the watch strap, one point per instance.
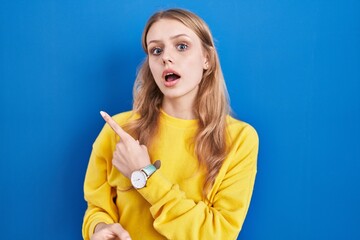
{"type": "Point", "coordinates": [149, 169]}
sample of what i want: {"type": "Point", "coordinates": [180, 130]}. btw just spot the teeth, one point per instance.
{"type": "Point", "coordinates": [169, 74]}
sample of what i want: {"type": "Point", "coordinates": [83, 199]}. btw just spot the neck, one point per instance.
{"type": "Point", "coordinates": [178, 109]}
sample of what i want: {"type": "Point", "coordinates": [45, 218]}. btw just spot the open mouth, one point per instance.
{"type": "Point", "coordinates": [169, 77]}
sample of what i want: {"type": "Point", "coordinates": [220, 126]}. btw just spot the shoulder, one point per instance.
{"type": "Point", "coordinates": [240, 132]}
{"type": "Point", "coordinates": [125, 117]}
{"type": "Point", "coordinates": [235, 126]}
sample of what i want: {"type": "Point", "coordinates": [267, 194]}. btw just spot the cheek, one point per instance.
{"type": "Point", "coordinates": [154, 68]}
{"type": "Point", "coordinates": [196, 60]}
{"type": "Point", "coordinates": [196, 66]}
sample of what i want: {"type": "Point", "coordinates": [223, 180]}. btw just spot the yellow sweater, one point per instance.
{"type": "Point", "coordinates": [171, 205]}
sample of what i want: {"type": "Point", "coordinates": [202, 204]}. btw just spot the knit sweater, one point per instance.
{"type": "Point", "coordinates": [171, 205]}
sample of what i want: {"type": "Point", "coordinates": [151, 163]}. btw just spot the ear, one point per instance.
{"type": "Point", "coordinates": [207, 57]}
{"type": "Point", "coordinates": [206, 63]}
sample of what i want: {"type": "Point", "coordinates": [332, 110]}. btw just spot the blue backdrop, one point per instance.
{"type": "Point", "coordinates": [292, 70]}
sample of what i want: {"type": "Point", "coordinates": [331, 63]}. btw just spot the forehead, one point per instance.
{"type": "Point", "coordinates": [167, 28]}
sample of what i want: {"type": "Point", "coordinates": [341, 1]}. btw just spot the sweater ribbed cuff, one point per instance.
{"type": "Point", "coordinates": [157, 187]}
{"type": "Point", "coordinates": [104, 218]}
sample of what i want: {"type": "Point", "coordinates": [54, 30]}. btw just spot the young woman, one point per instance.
{"type": "Point", "coordinates": [177, 166]}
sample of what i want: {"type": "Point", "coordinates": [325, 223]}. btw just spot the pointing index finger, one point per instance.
{"type": "Point", "coordinates": [117, 129]}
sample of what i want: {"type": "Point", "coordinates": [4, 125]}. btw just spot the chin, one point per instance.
{"type": "Point", "coordinates": [172, 96]}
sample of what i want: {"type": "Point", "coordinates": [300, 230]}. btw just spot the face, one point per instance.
{"type": "Point", "coordinates": [176, 59]}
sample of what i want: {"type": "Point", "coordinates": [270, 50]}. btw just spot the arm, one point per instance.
{"type": "Point", "coordinates": [97, 192]}
{"type": "Point", "coordinates": [177, 217]}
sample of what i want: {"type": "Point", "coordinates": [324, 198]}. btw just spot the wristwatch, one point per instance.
{"type": "Point", "coordinates": [140, 177]}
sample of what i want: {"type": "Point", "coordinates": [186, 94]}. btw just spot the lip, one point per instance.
{"type": "Point", "coordinates": [169, 71]}
{"type": "Point", "coordinates": [171, 83]}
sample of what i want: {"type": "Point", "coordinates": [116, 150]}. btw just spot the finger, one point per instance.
{"type": "Point", "coordinates": [120, 232]}
{"type": "Point", "coordinates": [117, 129]}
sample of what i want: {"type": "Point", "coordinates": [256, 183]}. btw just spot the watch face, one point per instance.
{"type": "Point", "coordinates": [138, 179]}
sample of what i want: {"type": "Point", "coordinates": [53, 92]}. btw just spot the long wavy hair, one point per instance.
{"type": "Point", "coordinates": [211, 104]}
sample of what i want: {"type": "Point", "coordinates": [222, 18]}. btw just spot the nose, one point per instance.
{"type": "Point", "coordinates": [167, 57]}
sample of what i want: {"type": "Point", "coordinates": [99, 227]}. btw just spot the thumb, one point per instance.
{"type": "Point", "coordinates": [121, 232]}
{"type": "Point", "coordinates": [144, 147]}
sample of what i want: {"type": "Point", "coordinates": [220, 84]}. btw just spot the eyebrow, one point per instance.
{"type": "Point", "coordinates": [173, 37]}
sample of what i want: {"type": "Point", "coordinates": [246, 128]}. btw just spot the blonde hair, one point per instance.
{"type": "Point", "coordinates": [211, 104]}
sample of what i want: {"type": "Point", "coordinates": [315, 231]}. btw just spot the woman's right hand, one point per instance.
{"type": "Point", "coordinates": [114, 231]}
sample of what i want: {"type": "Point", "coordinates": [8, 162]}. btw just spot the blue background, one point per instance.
{"type": "Point", "coordinates": [292, 69]}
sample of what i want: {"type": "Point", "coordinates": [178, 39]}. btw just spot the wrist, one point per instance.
{"type": "Point", "coordinates": [139, 177]}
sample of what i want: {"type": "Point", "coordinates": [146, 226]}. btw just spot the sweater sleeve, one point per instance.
{"type": "Point", "coordinates": [178, 217]}
{"type": "Point", "coordinates": [97, 191]}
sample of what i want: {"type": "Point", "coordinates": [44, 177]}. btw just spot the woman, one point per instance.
{"type": "Point", "coordinates": [202, 189]}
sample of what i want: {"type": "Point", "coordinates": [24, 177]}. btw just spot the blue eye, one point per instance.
{"type": "Point", "coordinates": [182, 47]}
{"type": "Point", "coordinates": [156, 51]}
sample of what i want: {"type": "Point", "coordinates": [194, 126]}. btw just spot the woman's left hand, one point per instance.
{"type": "Point", "coordinates": [129, 155]}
